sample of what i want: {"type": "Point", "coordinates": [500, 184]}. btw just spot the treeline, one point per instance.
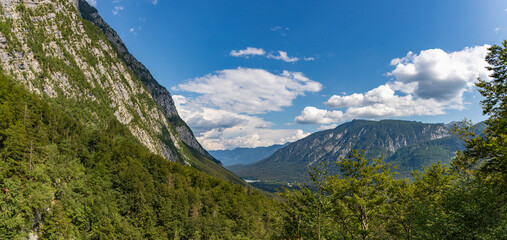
{"type": "Point", "coordinates": [365, 201]}
{"type": "Point", "coordinates": [61, 180]}
{"type": "Point", "coordinates": [466, 200]}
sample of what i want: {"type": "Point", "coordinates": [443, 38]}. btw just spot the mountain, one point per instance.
{"type": "Point", "coordinates": [75, 62]}
{"type": "Point", "coordinates": [61, 179]}
{"type": "Point", "coordinates": [411, 145]}
{"type": "Point", "coordinates": [157, 91]}
{"type": "Point", "coordinates": [92, 147]}
{"type": "Point", "coordinates": [244, 155]}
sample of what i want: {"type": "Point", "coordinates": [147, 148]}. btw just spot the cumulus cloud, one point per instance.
{"type": "Point", "coordinates": [249, 51]}
{"type": "Point", "coordinates": [313, 115]}
{"type": "Point", "coordinates": [220, 112]}
{"type": "Point", "coordinates": [248, 90]}
{"type": "Point", "coordinates": [428, 83]}
{"type": "Point", "coordinates": [218, 129]}
{"type": "Point", "coordinates": [117, 10]}
{"type": "Point", "coordinates": [283, 56]}
{"type": "Point", "coordinates": [438, 75]}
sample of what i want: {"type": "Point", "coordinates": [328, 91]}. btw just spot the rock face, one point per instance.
{"type": "Point", "coordinates": [54, 53]}
{"type": "Point", "coordinates": [292, 162]}
{"type": "Point", "coordinates": [70, 63]}
{"type": "Point", "coordinates": [159, 93]}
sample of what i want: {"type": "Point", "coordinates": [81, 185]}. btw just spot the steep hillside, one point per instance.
{"type": "Point", "coordinates": [71, 64]}
{"type": "Point", "coordinates": [159, 93]}
{"type": "Point", "coordinates": [292, 162]}
{"type": "Point", "coordinates": [60, 179]}
{"type": "Point", "coordinates": [244, 155]}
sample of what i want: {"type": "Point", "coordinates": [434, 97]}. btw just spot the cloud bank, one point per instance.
{"type": "Point", "coordinates": [249, 90]}
{"type": "Point", "coordinates": [428, 83]}
{"type": "Point", "coordinates": [224, 113]}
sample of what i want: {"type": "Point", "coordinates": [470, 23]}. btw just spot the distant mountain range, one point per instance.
{"type": "Point", "coordinates": [244, 156]}
{"type": "Point", "coordinates": [410, 145]}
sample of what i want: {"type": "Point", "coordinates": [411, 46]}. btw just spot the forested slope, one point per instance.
{"type": "Point", "coordinates": [61, 179]}
{"type": "Point", "coordinates": [70, 63]}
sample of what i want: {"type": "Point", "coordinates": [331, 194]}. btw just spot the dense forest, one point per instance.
{"type": "Point", "coordinates": [63, 181]}
{"type": "Point", "coordinates": [464, 200]}
{"type": "Point", "coordinates": [63, 176]}
{"type": "Point", "coordinates": [60, 180]}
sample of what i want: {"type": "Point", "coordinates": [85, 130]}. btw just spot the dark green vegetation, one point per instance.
{"type": "Point", "coordinates": [466, 200]}
{"type": "Point", "coordinates": [409, 145]}
{"type": "Point", "coordinates": [63, 181]}
{"type": "Point", "coordinates": [73, 167]}
{"type": "Point", "coordinates": [159, 93]}
{"type": "Point", "coordinates": [244, 156]}
{"type": "Point", "coordinates": [71, 64]}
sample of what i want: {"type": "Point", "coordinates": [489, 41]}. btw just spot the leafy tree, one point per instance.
{"type": "Point", "coordinates": [477, 205]}
{"type": "Point", "coordinates": [490, 151]}
{"type": "Point", "coordinates": [360, 196]}
{"type": "Point", "coordinates": [307, 208]}
{"type": "Point", "coordinates": [363, 201]}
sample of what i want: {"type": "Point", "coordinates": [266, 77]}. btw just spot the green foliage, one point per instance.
{"type": "Point", "coordinates": [355, 204]}
{"type": "Point", "coordinates": [489, 152]}
{"type": "Point", "coordinates": [465, 201]}
{"type": "Point", "coordinates": [410, 145]}
{"type": "Point", "coordinates": [62, 180]}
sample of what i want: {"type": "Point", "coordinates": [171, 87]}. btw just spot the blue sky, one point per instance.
{"type": "Point", "coordinates": [256, 73]}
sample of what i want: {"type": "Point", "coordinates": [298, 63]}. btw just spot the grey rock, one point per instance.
{"type": "Point", "coordinates": [159, 93]}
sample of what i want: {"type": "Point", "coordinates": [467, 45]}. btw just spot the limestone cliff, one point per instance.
{"type": "Point", "coordinates": [159, 93]}
{"type": "Point", "coordinates": [50, 49]}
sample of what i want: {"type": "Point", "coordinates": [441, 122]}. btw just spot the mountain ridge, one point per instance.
{"type": "Point", "coordinates": [376, 138]}
{"type": "Point", "coordinates": [50, 49]}
{"type": "Point", "coordinates": [159, 93]}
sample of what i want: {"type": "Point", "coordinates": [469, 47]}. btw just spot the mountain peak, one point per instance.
{"type": "Point", "coordinates": [76, 62]}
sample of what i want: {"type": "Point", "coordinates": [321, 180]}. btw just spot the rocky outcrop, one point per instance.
{"type": "Point", "coordinates": [377, 138]}
{"type": "Point", "coordinates": [46, 46]}
{"type": "Point", "coordinates": [158, 92]}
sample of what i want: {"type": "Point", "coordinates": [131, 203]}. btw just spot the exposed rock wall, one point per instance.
{"type": "Point", "coordinates": [51, 50]}
{"type": "Point", "coordinates": [158, 92]}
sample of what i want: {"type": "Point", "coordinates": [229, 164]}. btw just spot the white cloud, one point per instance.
{"type": "Point", "coordinates": [221, 129]}
{"type": "Point", "coordinates": [248, 90]}
{"type": "Point", "coordinates": [497, 29]}
{"type": "Point", "coordinates": [247, 52]}
{"type": "Point", "coordinates": [439, 75]}
{"type": "Point", "coordinates": [428, 83]}
{"type": "Point", "coordinates": [92, 2]}
{"type": "Point", "coordinates": [326, 127]}
{"type": "Point", "coordinates": [220, 113]}
{"type": "Point", "coordinates": [283, 56]}
{"type": "Point", "coordinates": [154, 2]}
{"type": "Point", "coordinates": [117, 10]}
{"type": "Point", "coordinates": [313, 115]}
{"type": "Point", "coordinates": [252, 51]}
